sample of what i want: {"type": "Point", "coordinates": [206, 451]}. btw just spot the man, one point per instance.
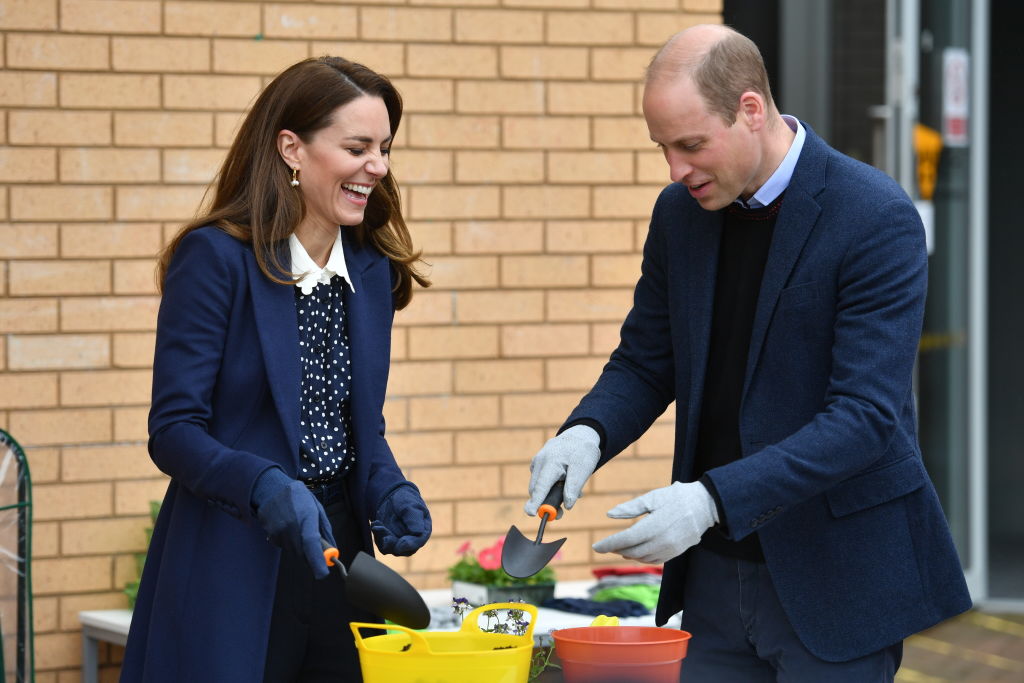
{"type": "Point", "coordinates": [779, 305]}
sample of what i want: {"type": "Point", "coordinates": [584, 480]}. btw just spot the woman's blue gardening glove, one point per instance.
{"type": "Point", "coordinates": [292, 517]}
{"type": "Point", "coordinates": [402, 524]}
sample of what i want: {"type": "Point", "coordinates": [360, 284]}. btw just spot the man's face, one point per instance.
{"type": "Point", "coordinates": [717, 162]}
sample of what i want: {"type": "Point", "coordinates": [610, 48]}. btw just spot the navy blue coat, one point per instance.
{"type": "Point", "coordinates": [226, 381]}
{"type": "Point", "coordinates": [831, 476]}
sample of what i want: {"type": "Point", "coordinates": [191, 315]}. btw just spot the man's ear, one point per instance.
{"type": "Point", "coordinates": [753, 110]}
{"type": "Point", "coordinates": [288, 145]}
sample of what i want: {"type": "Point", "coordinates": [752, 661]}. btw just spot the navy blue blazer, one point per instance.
{"type": "Point", "coordinates": [831, 476]}
{"type": "Point", "coordinates": [226, 382]}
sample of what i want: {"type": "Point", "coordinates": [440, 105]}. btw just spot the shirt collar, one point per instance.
{"type": "Point", "coordinates": [309, 274]}
{"type": "Point", "coordinates": [779, 181]}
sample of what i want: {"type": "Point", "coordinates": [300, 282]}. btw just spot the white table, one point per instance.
{"type": "Point", "coordinates": [111, 625]}
{"type": "Point", "coordinates": [549, 620]}
{"type": "Point", "coordinates": [108, 625]}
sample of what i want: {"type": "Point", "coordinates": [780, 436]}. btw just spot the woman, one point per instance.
{"type": "Point", "coordinates": [272, 352]}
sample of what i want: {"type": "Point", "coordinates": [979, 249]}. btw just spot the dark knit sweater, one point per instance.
{"type": "Point", "coordinates": [746, 238]}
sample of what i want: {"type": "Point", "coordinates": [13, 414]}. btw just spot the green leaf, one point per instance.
{"type": "Point", "coordinates": [131, 588]}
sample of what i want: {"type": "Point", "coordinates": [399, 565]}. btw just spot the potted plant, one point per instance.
{"type": "Point", "coordinates": [479, 578]}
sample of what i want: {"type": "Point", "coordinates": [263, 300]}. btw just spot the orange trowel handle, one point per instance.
{"type": "Point", "coordinates": [331, 555]}
{"type": "Point", "coordinates": [550, 508]}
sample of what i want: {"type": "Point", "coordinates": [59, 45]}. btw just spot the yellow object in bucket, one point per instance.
{"type": "Point", "coordinates": [603, 620]}
{"type": "Point", "coordinates": [468, 655]}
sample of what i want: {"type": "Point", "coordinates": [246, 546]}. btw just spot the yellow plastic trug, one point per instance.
{"type": "Point", "coordinates": [468, 655]}
{"type": "Point", "coordinates": [603, 620]}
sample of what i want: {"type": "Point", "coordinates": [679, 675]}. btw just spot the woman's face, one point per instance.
{"type": "Point", "coordinates": [342, 163]}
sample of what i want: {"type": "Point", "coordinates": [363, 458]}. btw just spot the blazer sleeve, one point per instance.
{"type": "Point", "coordinates": [201, 290]}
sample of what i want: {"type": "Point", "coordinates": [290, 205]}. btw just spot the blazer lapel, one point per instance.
{"type": "Point", "coordinates": [356, 260]}
{"type": "Point", "coordinates": [278, 329]}
{"type": "Point", "coordinates": [367, 320]}
{"type": "Point", "coordinates": [368, 314]}
{"type": "Point", "coordinates": [797, 218]}
{"type": "Point", "coordinates": [703, 240]}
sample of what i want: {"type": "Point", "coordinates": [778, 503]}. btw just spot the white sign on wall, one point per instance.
{"type": "Point", "coordinates": [956, 93]}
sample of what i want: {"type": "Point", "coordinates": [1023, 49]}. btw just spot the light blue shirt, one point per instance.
{"type": "Point", "coordinates": [779, 181]}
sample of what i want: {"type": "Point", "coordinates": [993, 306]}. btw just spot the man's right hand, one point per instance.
{"type": "Point", "coordinates": [572, 456]}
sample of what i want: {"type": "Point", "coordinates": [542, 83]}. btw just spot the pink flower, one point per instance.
{"type": "Point", "coordinates": [463, 549]}
{"type": "Point", "coordinates": [490, 558]}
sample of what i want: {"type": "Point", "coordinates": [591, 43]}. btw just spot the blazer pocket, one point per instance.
{"type": "Point", "coordinates": [798, 295]}
{"type": "Point", "coordinates": [878, 486]}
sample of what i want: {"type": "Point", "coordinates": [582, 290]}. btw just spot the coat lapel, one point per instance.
{"type": "Point", "coordinates": [704, 238]}
{"type": "Point", "coordinates": [278, 329]}
{"type": "Point", "coordinates": [356, 260]}
{"type": "Point", "coordinates": [797, 218]}
{"type": "Point", "coordinates": [364, 315]}
{"type": "Point", "coordinates": [368, 315]}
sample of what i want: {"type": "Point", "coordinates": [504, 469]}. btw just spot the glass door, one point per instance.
{"type": "Point", "coordinates": [936, 148]}
{"type": "Point", "coordinates": [936, 98]}
{"type": "Point", "coordinates": [943, 359]}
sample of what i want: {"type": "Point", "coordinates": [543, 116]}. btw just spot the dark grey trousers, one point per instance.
{"type": "Point", "coordinates": [740, 633]}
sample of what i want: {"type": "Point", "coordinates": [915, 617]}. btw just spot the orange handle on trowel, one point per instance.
{"type": "Point", "coordinates": [551, 507]}
{"type": "Point", "coordinates": [332, 556]}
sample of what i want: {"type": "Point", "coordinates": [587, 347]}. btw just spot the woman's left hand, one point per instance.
{"type": "Point", "coordinates": [402, 524]}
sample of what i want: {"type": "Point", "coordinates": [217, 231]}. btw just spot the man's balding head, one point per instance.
{"type": "Point", "coordinates": [722, 63]}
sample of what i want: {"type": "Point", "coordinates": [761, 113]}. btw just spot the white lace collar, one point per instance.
{"type": "Point", "coordinates": [309, 274]}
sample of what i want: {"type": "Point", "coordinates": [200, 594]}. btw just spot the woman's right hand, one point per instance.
{"type": "Point", "coordinates": [292, 518]}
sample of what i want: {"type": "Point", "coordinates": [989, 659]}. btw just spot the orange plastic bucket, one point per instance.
{"type": "Point", "coordinates": [621, 654]}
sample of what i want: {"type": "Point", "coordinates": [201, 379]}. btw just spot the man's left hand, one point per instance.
{"type": "Point", "coordinates": [679, 516]}
{"type": "Point", "coordinates": [403, 522]}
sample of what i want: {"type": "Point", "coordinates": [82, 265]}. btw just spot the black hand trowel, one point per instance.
{"type": "Point", "coordinates": [377, 588]}
{"type": "Point", "coordinates": [521, 557]}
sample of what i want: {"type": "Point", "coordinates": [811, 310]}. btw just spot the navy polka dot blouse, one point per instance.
{"type": "Point", "coordinates": [326, 449]}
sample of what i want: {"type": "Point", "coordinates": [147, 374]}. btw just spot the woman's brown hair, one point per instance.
{"type": "Point", "coordinates": [251, 196]}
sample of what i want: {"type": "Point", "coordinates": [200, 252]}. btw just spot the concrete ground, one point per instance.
{"type": "Point", "coordinates": [976, 646]}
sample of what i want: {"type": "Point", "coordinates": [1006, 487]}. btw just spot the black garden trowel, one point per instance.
{"type": "Point", "coordinates": [377, 588]}
{"type": "Point", "coordinates": [521, 557]}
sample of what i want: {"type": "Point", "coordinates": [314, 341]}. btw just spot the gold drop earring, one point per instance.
{"type": "Point", "coordinates": [295, 178]}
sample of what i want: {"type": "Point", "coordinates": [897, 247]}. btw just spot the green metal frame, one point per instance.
{"type": "Point", "coordinates": [26, 641]}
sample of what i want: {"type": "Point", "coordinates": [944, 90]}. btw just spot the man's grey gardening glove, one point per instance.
{"type": "Point", "coordinates": [679, 516]}
{"type": "Point", "coordinates": [572, 455]}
